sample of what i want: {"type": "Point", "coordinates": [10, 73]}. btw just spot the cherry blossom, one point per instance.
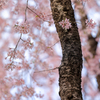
{"type": "Point", "coordinates": [2, 3]}
{"type": "Point", "coordinates": [22, 28]}
{"type": "Point", "coordinates": [42, 52]}
{"type": "Point", "coordinates": [65, 24]}
{"type": "Point", "coordinates": [90, 24]}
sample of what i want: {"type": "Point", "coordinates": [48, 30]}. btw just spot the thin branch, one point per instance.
{"type": "Point", "coordinates": [54, 44]}
{"type": "Point", "coordinates": [20, 36]}
{"type": "Point", "coordinates": [50, 46]}
{"type": "Point", "coordinates": [16, 48]}
{"type": "Point", "coordinates": [46, 70]}
{"type": "Point", "coordinates": [49, 15]}
{"type": "Point", "coordinates": [23, 40]}
{"type": "Point", "coordinates": [26, 11]}
{"type": "Point", "coordinates": [18, 42]}
{"type": "Point", "coordinates": [34, 12]}
{"type": "Point", "coordinates": [37, 14]}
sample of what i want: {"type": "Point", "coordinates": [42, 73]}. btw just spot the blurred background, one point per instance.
{"type": "Point", "coordinates": [30, 50]}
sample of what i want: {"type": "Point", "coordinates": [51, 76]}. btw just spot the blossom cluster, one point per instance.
{"type": "Point", "coordinates": [2, 3]}
{"type": "Point", "coordinates": [27, 44]}
{"type": "Point", "coordinates": [11, 54]}
{"type": "Point", "coordinates": [22, 28]}
{"type": "Point", "coordinates": [65, 24]}
{"type": "Point", "coordinates": [90, 24]}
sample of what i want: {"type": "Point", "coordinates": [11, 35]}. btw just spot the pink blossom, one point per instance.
{"type": "Point", "coordinates": [28, 44]}
{"type": "Point", "coordinates": [2, 3]}
{"type": "Point", "coordinates": [19, 82]}
{"type": "Point", "coordinates": [65, 24]}
{"type": "Point", "coordinates": [22, 28]}
{"type": "Point", "coordinates": [11, 54]}
{"type": "Point", "coordinates": [90, 24]}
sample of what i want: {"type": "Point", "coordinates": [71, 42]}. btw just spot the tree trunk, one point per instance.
{"type": "Point", "coordinates": [71, 64]}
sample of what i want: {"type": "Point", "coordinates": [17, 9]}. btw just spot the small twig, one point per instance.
{"type": "Point", "coordinates": [23, 40]}
{"type": "Point", "coordinates": [26, 11]}
{"type": "Point", "coordinates": [16, 48]}
{"type": "Point", "coordinates": [54, 44]}
{"type": "Point", "coordinates": [37, 14]}
{"type": "Point", "coordinates": [18, 42]}
{"type": "Point", "coordinates": [49, 15]}
{"type": "Point", "coordinates": [46, 70]}
{"type": "Point", "coordinates": [34, 12]}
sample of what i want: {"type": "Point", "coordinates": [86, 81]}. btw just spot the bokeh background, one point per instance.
{"type": "Point", "coordinates": [30, 50]}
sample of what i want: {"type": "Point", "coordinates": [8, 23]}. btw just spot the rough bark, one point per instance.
{"type": "Point", "coordinates": [98, 81]}
{"type": "Point", "coordinates": [71, 64]}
